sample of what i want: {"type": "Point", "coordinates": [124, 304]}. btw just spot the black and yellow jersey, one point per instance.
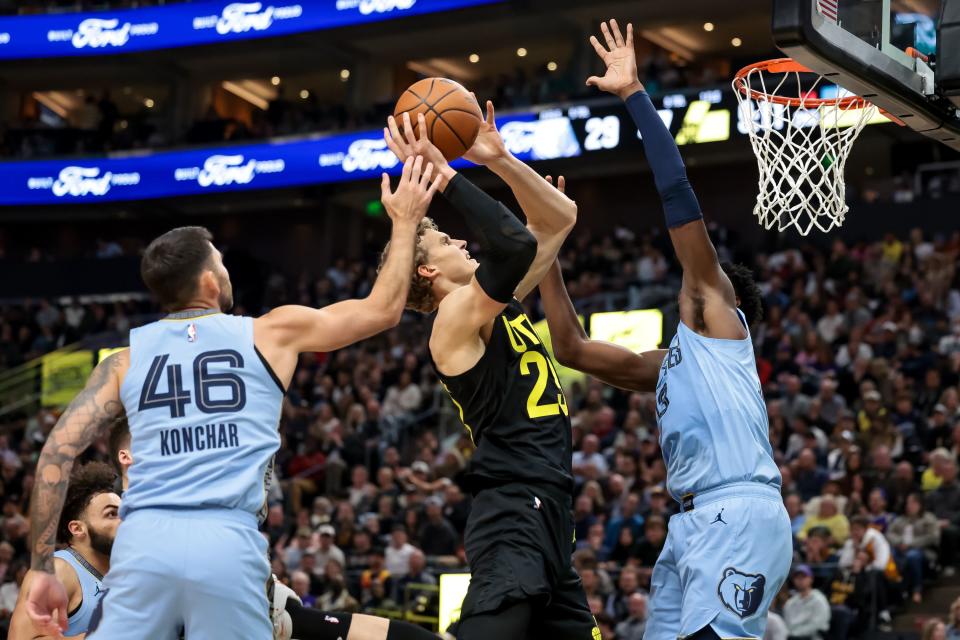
{"type": "Point", "coordinates": [512, 405]}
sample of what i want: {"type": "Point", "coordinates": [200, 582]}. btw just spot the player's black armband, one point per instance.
{"type": "Point", "coordinates": [508, 246]}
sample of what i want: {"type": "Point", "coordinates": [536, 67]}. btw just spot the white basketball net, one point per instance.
{"type": "Point", "coordinates": [802, 147]}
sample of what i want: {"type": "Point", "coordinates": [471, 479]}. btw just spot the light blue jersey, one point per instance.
{"type": "Point", "coordinates": [203, 409]}
{"type": "Point", "coordinates": [91, 590]}
{"type": "Point", "coordinates": [729, 550]}
{"type": "Point", "coordinates": [712, 416]}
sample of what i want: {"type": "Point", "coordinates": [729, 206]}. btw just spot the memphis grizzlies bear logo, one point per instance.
{"type": "Point", "coordinates": [742, 593]}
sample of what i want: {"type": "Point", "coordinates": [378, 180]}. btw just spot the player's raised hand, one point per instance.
{"type": "Point", "coordinates": [621, 78]}
{"type": "Point", "coordinates": [561, 183]}
{"type": "Point", "coordinates": [405, 144]}
{"type": "Point", "coordinates": [489, 146]}
{"type": "Point", "coordinates": [47, 604]}
{"type": "Point", "coordinates": [409, 203]}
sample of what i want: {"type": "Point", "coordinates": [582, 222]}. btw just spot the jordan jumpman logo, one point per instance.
{"type": "Point", "coordinates": [719, 518]}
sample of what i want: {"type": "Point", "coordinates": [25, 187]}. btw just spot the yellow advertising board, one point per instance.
{"type": "Point", "coordinates": [103, 354]}
{"type": "Point", "coordinates": [567, 376]}
{"type": "Point", "coordinates": [453, 589]}
{"type": "Point", "coordinates": [640, 330]}
{"type": "Point", "coordinates": [64, 376]}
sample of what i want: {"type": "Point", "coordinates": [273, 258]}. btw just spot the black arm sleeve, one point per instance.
{"type": "Point", "coordinates": [508, 246]}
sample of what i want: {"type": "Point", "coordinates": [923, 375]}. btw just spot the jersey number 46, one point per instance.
{"type": "Point", "coordinates": [232, 395]}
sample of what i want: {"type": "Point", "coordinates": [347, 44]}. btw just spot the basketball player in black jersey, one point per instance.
{"type": "Point", "coordinates": [519, 536]}
{"type": "Point", "coordinates": [290, 619]}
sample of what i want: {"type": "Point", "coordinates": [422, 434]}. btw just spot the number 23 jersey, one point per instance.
{"type": "Point", "coordinates": [203, 409]}
{"type": "Point", "coordinates": [513, 407]}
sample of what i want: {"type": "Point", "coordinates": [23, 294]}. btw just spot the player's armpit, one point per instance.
{"type": "Point", "coordinates": [708, 301]}
{"type": "Point", "coordinates": [455, 342]}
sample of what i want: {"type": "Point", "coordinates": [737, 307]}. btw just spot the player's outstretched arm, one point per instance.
{"type": "Point", "coordinates": [707, 298]}
{"type": "Point", "coordinates": [90, 415]}
{"type": "Point", "coordinates": [607, 362]}
{"type": "Point", "coordinates": [550, 213]}
{"type": "Point", "coordinates": [288, 331]}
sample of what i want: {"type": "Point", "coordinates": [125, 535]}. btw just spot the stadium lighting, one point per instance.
{"type": "Point", "coordinates": [521, 52]}
{"type": "Point", "coordinates": [474, 58]}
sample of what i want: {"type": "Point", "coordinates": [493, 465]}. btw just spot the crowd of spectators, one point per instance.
{"type": "Point", "coordinates": [97, 124]}
{"type": "Point", "coordinates": [26, 7]}
{"type": "Point", "coordinates": [859, 358]}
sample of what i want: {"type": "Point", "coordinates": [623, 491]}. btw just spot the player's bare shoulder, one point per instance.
{"type": "Point", "coordinates": [456, 346]}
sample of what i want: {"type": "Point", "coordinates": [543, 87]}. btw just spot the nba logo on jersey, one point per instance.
{"type": "Point", "coordinates": [191, 332]}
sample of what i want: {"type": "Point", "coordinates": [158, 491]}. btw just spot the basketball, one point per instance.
{"type": "Point", "coordinates": [452, 115]}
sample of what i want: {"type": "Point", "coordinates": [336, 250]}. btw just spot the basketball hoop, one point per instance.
{"type": "Point", "coordinates": [802, 140]}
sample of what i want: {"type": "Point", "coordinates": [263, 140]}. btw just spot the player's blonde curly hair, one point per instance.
{"type": "Point", "coordinates": [420, 297]}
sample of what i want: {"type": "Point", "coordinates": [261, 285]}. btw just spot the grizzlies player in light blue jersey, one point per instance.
{"type": "Point", "coordinates": [728, 551]}
{"type": "Point", "coordinates": [202, 393]}
{"type": "Point", "coordinates": [87, 527]}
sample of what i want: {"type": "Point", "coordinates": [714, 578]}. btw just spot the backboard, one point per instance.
{"type": "Point", "coordinates": [881, 50]}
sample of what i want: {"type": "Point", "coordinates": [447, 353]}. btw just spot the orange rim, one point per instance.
{"type": "Point", "coordinates": [789, 65]}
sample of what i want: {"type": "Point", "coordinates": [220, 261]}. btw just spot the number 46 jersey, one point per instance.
{"type": "Point", "coordinates": [513, 407]}
{"type": "Point", "coordinates": [203, 408]}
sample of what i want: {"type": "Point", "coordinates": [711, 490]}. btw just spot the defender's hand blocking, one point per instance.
{"type": "Point", "coordinates": [409, 203]}
{"type": "Point", "coordinates": [621, 78]}
{"type": "Point", "coordinates": [47, 604]}
{"type": "Point", "coordinates": [405, 144]}
{"type": "Point", "coordinates": [489, 146]}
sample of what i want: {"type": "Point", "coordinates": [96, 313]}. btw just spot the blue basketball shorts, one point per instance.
{"type": "Point", "coordinates": [722, 564]}
{"type": "Point", "coordinates": [202, 571]}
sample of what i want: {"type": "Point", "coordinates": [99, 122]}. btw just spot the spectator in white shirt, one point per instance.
{"type": "Point", "coordinates": [327, 551]}
{"type": "Point", "coordinates": [864, 537]}
{"type": "Point", "coordinates": [589, 462]}
{"type": "Point", "coordinates": [403, 398]}
{"type": "Point", "coordinates": [855, 349]}
{"type": "Point", "coordinates": [10, 591]}
{"type": "Point", "coordinates": [399, 551]}
{"type": "Point", "coordinates": [807, 612]}
{"type": "Point", "coordinates": [829, 326]}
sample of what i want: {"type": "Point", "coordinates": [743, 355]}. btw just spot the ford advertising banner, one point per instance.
{"type": "Point", "coordinates": [267, 165]}
{"type": "Point", "coordinates": [580, 129]}
{"type": "Point", "coordinates": [194, 23]}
